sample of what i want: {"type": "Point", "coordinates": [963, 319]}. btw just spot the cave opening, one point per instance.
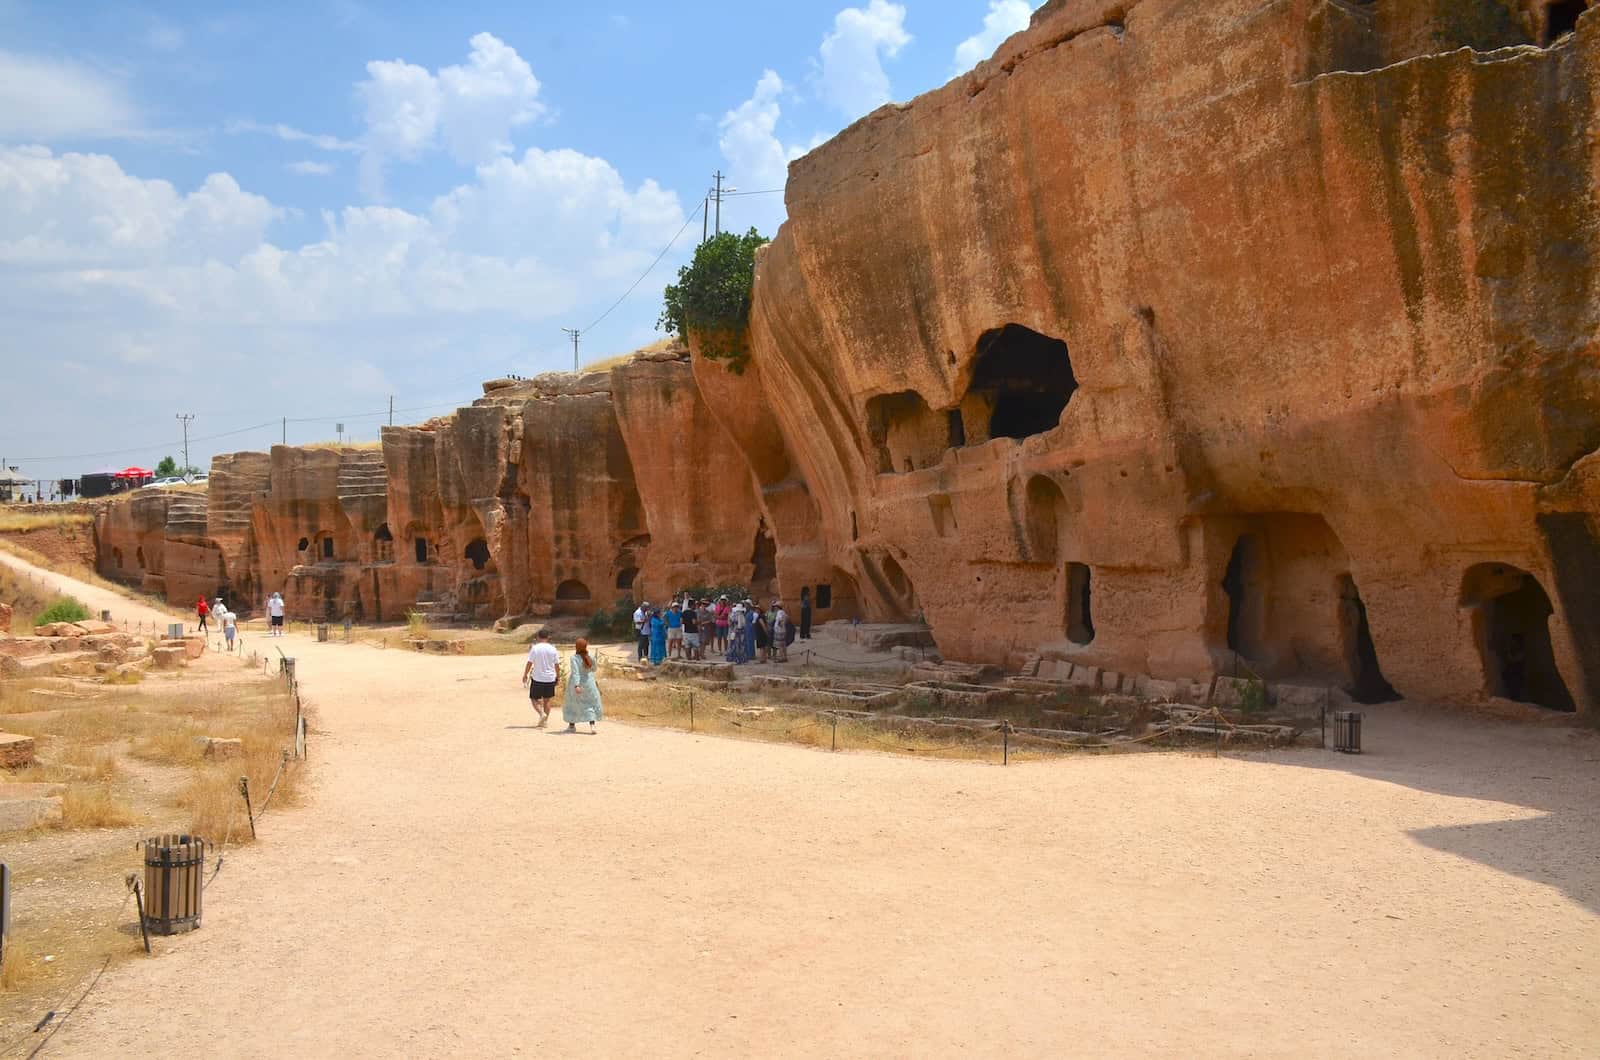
{"type": "Point", "coordinates": [1511, 623]}
{"type": "Point", "coordinates": [1245, 584]}
{"type": "Point", "coordinates": [303, 544]}
{"type": "Point", "coordinates": [138, 556]}
{"type": "Point", "coordinates": [824, 596]}
{"type": "Point", "coordinates": [327, 548]}
{"type": "Point", "coordinates": [1080, 619]}
{"type": "Point", "coordinates": [478, 552]}
{"type": "Point", "coordinates": [1561, 18]}
{"type": "Point", "coordinates": [626, 576]}
{"type": "Point", "coordinates": [382, 544]}
{"type": "Point", "coordinates": [1367, 683]}
{"type": "Point", "coordinates": [763, 558]}
{"type": "Point", "coordinates": [958, 429]}
{"type": "Point", "coordinates": [420, 548]}
{"type": "Point", "coordinates": [1027, 378]}
{"type": "Point", "coordinates": [572, 597]}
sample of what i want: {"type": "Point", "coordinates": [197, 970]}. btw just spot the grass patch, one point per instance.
{"type": "Point", "coordinates": [61, 609]}
{"type": "Point", "coordinates": [93, 806]}
{"type": "Point", "coordinates": [417, 625]}
{"type": "Point", "coordinates": [13, 520]}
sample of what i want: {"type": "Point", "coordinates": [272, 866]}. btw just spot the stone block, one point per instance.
{"type": "Point", "coordinates": [10, 666]}
{"type": "Point", "coordinates": [1162, 691]}
{"type": "Point", "coordinates": [170, 658]}
{"type": "Point", "coordinates": [192, 647]}
{"type": "Point", "coordinates": [1111, 681]}
{"type": "Point", "coordinates": [1300, 697]}
{"type": "Point", "coordinates": [25, 647]}
{"type": "Point", "coordinates": [112, 653]}
{"type": "Point", "coordinates": [5, 619]}
{"type": "Point", "coordinates": [64, 645]}
{"type": "Point", "coordinates": [24, 806]}
{"type": "Point", "coordinates": [15, 751]}
{"type": "Point", "coordinates": [1084, 677]}
{"type": "Point", "coordinates": [93, 627]}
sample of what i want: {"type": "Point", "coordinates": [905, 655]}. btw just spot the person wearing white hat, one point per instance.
{"type": "Point", "coordinates": [275, 615]}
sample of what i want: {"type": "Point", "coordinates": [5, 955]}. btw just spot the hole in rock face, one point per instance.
{"type": "Point", "coordinates": [572, 597]}
{"type": "Point", "coordinates": [478, 552]}
{"type": "Point", "coordinates": [958, 429]}
{"type": "Point", "coordinates": [382, 544]}
{"type": "Point", "coordinates": [1080, 621]}
{"type": "Point", "coordinates": [420, 548]}
{"type": "Point", "coordinates": [626, 576]}
{"type": "Point", "coordinates": [382, 533]}
{"type": "Point", "coordinates": [763, 558]}
{"type": "Point", "coordinates": [896, 576]}
{"type": "Point", "coordinates": [1511, 622]}
{"type": "Point", "coordinates": [138, 556]}
{"type": "Point", "coordinates": [1245, 584]}
{"type": "Point", "coordinates": [1561, 18]}
{"type": "Point", "coordinates": [1027, 378]}
{"type": "Point", "coordinates": [824, 596]}
{"type": "Point", "coordinates": [327, 548]}
{"type": "Point", "coordinates": [1367, 683]}
{"type": "Point", "coordinates": [303, 544]}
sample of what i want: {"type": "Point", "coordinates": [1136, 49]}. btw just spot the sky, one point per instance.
{"type": "Point", "coordinates": [253, 212]}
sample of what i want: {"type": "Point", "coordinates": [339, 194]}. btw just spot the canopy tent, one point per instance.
{"type": "Point", "coordinates": [134, 473]}
{"type": "Point", "coordinates": [9, 477]}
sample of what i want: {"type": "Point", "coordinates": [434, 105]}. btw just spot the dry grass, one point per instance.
{"type": "Point", "coordinates": [17, 520]}
{"type": "Point", "coordinates": [26, 597]}
{"type": "Point", "coordinates": [93, 806]}
{"type": "Point", "coordinates": [23, 966]}
{"type": "Point", "coordinates": [341, 445]}
{"type": "Point", "coordinates": [177, 744]}
{"type": "Point", "coordinates": [82, 574]}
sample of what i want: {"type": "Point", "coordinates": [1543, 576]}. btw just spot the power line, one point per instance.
{"type": "Point", "coordinates": [647, 271]}
{"type": "Point", "coordinates": [765, 191]}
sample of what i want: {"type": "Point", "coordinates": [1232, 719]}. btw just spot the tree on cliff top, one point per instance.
{"type": "Point", "coordinates": [167, 468]}
{"type": "Point", "coordinates": [712, 297]}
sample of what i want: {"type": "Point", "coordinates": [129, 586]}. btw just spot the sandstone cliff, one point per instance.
{"type": "Point", "coordinates": [1162, 343]}
{"type": "Point", "coordinates": [1177, 339]}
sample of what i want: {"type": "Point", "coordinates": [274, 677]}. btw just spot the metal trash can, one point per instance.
{"type": "Point", "coordinates": [1347, 731]}
{"type": "Point", "coordinates": [174, 630]}
{"type": "Point", "coordinates": [322, 633]}
{"type": "Point", "coordinates": [174, 879]}
{"type": "Point", "coordinates": [105, 616]}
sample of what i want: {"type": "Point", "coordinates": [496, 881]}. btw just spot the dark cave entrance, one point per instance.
{"type": "Point", "coordinates": [478, 552]}
{"type": "Point", "coordinates": [420, 547]}
{"type": "Point", "coordinates": [1511, 622]}
{"type": "Point", "coordinates": [1367, 683]}
{"type": "Point", "coordinates": [1244, 582]}
{"type": "Point", "coordinates": [1080, 620]}
{"type": "Point", "coordinates": [763, 558]}
{"type": "Point", "coordinates": [1026, 376]}
{"type": "Point", "coordinates": [1561, 18]}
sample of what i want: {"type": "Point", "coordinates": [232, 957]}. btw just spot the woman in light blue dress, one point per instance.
{"type": "Point", "coordinates": [583, 695]}
{"type": "Point", "coordinates": [658, 639]}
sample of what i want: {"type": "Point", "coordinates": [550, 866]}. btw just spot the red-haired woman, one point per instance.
{"type": "Point", "coordinates": [583, 694]}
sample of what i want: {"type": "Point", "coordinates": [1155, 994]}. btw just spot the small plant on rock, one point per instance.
{"type": "Point", "coordinates": [62, 609]}
{"type": "Point", "coordinates": [712, 297]}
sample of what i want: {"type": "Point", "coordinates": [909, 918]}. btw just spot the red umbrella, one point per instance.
{"type": "Point", "coordinates": [134, 472]}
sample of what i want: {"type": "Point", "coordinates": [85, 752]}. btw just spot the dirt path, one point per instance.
{"type": "Point", "coordinates": [460, 884]}
{"type": "Point", "coordinates": [122, 608]}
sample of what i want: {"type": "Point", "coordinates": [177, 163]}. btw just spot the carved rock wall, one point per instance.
{"type": "Point", "coordinates": [1328, 349]}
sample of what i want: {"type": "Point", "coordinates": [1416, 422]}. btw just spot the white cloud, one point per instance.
{"type": "Point", "coordinates": [758, 159]}
{"type": "Point", "coordinates": [289, 134]}
{"type": "Point", "coordinates": [852, 77]}
{"type": "Point", "coordinates": [1005, 17]}
{"type": "Point", "coordinates": [51, 99]}
{"type": "Point", "coordinates": [308, 168]}
{"type": "Point", "coordinates": [469, 110]}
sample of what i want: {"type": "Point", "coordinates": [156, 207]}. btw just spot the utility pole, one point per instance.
{"type": "Point", "coordinates": [718, 196]}
{"type": "Point", "coordinates": [184, 418]}
{"type": "Point", "coordinates": [391, 410]}
{"type": "Point", "coordinates": [705, 218]}
{"type": "Point", "coordinates": [574, 332]}
{"type": "Point", "coordinates": [286, 430]}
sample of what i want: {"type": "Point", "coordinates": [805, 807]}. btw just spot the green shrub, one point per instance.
{"type": "Point", "coordinates": [615, 624]}
{"type": "Point", "coordinates": [61, 609]}
{"type": "Point", "coordinates": [712, 297]}
{"type": "Point", "coordinates": [733, 592]}
{"type": "Point", "coordinates": [1254, 699]}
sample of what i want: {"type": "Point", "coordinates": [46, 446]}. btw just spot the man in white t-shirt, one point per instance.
{"type": "Point", "coordinates": [641, 629]}
{"type": "Point", "coordinates": [275, 615]}
{"type": "Point", "coordinates": [544, 669]}
{"type": "Point", "coordinates": [230, 624]}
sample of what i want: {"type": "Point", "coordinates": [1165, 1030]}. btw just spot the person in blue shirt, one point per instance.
{"type": "Point", "coordinates": [674, 619]}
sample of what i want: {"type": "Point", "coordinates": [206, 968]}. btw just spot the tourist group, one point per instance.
{"type": "Point", "coordinates": [739, 631]}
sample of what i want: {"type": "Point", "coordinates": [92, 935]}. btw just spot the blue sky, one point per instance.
{"type": "Point", "coordinates": [251, 212]}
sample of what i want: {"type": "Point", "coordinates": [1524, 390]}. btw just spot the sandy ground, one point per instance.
{"type": "Point", "coordinates": [458, 883]}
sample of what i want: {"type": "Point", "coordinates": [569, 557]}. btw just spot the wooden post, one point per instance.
{"type": "Point", "coordinates": [244, 789]}
{"type": "Point", "coordinates": [691, 710]}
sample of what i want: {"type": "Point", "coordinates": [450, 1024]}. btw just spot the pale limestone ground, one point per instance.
{"type": "Point", "coordinates": [459, 884]}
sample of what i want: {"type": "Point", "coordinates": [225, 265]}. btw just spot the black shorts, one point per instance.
{"type": "Point", "coordinates": [277, 620]}
{"type": "Point", "coordinates": [541, 690]}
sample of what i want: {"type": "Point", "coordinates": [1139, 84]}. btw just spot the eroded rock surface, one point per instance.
{"type": "Point", "coordinates": [1177, 340]}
